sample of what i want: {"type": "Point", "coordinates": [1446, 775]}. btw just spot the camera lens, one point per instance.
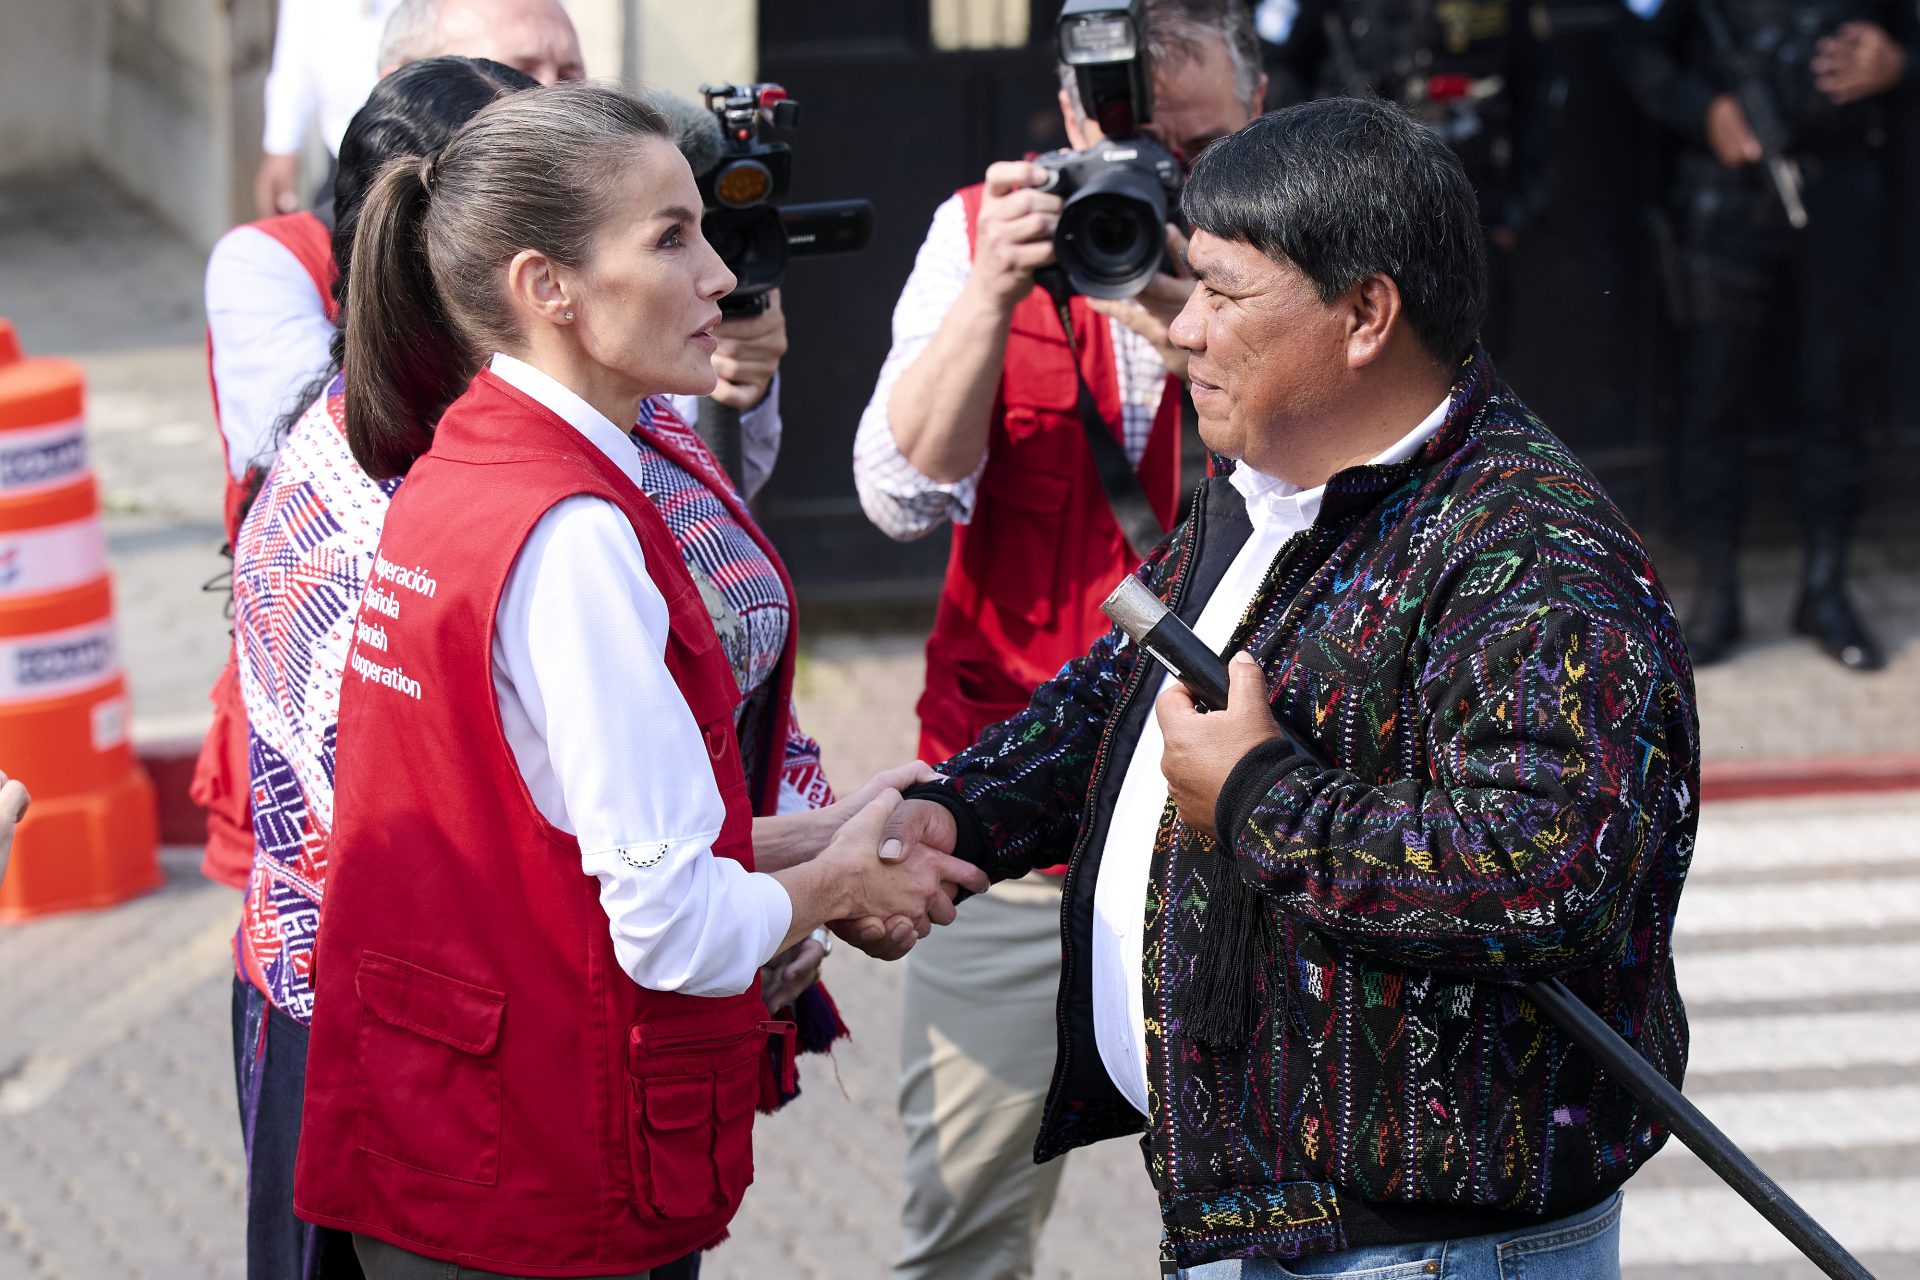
{"type": "Point", "coordinates": [730, 243]}
{"type": "Point", "coordinates": [1111, 233]}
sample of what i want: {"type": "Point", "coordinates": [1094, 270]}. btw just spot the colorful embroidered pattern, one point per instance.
{"type": "Point", "coordinates": [1479, 644]}
{"type": "Point", "coordinates": [744, 593]}
{"type": "Point", "coordinates": [303, 557]}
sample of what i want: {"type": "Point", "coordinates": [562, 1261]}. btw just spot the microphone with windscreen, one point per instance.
{"type": "Point", "coordinates": [695, 131]}
{"type": "Point", "coordinates": [1161, 634]}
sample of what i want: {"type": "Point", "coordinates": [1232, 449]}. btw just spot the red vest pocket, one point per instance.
{"type": "Point", "coordinates": [425, 1035]}
{"type": "Point", "coordinates": [736, 1091]}
{"type": "Point", "coordinates": [1018, 541]}
{"type": "Point", "coordinates": [691, 1142]}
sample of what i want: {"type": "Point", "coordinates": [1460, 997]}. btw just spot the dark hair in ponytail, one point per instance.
{"type": "Point", "coordinates": [404, 363]}
{"type": "Point", "coordinates": [536, 170]}
{"type": "Point", "coordinates": [411, 112]}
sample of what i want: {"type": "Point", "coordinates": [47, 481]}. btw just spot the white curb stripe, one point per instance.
{"type": "Point", "coordinates": [1833, 1040]}
{"type": "Point", "coordinates": [1671, 1226]}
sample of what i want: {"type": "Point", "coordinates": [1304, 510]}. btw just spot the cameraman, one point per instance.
{"type": "Point", "coordinates": [974, 420]}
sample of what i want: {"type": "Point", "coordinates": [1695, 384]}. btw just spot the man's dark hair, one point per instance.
{"type": "Point", "coordinates": [1344, 189]}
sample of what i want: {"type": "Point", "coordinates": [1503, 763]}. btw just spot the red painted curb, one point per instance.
{"type": "Point", "coordinates": [1819, 776]}
{"type": "Point", "coordinates": [182, 822]}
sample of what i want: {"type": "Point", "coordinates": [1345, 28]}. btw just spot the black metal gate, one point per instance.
{"type": "Point", "coordinates": [887, 116]}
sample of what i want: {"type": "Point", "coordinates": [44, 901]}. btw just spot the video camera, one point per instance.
{"type": "Point", "coordinates": [1111, 237]}
{"type": "Point", "coordinates": [754, 238]}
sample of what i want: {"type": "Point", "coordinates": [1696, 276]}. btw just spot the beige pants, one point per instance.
{"type": "Point", "coordinates": [976, 1054]}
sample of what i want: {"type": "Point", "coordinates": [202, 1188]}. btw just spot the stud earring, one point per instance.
{"type": "Point", "coordinates": [569, 315]}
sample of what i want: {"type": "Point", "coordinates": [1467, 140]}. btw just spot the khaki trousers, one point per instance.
{"type": "Point", "coordinates": [977, 1046]}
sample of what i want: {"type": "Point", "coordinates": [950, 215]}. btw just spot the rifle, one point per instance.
{"type": "Point", "coordinates": [1346, 68]}
{"type": "Point", "coordinates": [1757, 105]}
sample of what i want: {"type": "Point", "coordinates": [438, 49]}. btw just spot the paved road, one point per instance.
{"type": "Point", "coordinates": [1799, 956]}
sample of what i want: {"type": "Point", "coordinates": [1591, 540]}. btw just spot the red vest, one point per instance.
{"type": "Point", "coordinates": [1026, 576]}
{"type": "Point", "coordinates": [309, 241]}
{"type": "Point", "coordinates": [485, 1085]}
{"type": "Point", "coordinates": [220, 781]}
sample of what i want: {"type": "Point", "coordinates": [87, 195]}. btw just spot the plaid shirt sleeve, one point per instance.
{"type": "Point", "coordinates": [903, 503]}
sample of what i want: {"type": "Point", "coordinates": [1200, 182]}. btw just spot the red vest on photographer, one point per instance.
{"type": "Point", "coordinates": [1026, 575]}
{"type": "Point", "coordinates": [485, 1085]}
{"type": "Point", "coordinates": [221, 784]}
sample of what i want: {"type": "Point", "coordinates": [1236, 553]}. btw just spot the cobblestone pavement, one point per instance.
{"type": "Point", "coordinates": [119, 1153]}
{"type": "Point", "coordinates": [1799, 956]}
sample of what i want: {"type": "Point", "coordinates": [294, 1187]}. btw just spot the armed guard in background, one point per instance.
{"type": "Point", "coordinates": [1472, 69]}
{"type": "Point", "coordinates": [1779, 208]}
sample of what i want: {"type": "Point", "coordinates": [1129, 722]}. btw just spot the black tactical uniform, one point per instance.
{"type": "Point", "coordinates": [1472, 69]}
{"type": "Point", "coordinates": [1741, 265]}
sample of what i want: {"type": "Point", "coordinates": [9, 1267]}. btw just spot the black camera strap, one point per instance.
{"type": "Point", "coordinates": [1125, 498]}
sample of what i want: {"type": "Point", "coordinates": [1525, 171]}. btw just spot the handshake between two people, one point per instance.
{"type": "Point", "coordinates": [854, 869]}
{"type": "Point", "coordinates": [880, 872]}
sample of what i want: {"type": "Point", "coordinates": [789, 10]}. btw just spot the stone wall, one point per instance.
{"type": "Point", "coordinates": [53, 83]}
{"type": "Point", "coordinates": [163, 95]}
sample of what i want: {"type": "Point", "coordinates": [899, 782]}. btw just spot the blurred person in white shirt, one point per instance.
{"type": "Point", "coordinates": [324, 62]}
{"type": "Point", "coordinates": [268, 315]}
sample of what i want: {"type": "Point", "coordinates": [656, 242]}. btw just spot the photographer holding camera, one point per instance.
{"type": "Point", "coordinates": [987, 416]}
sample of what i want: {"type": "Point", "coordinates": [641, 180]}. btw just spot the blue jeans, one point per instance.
{"type": "Point", "coordinates": [270, 1077]}
{"type": "Point", "coordinates": [1585, 1246]}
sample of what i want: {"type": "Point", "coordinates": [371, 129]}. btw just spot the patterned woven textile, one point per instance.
{"type": "Point", "coordinates": [301, 562]}
{"type": "Point", "coordinates": [1479, 644]}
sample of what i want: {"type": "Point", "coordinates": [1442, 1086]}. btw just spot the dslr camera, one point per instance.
{"type": "Point", "coordinates": [1111, 237]}
{"type": "Point", "coordinates": [740, 186]}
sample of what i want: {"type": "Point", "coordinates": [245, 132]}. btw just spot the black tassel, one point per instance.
{"type": "Point", "coordinates": [817, 1020]}
{"type": "Point", "coordinates": [1237, 944]}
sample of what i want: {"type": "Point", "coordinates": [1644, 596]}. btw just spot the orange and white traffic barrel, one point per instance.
{"type": "Point", "coordinates": [90, 838]}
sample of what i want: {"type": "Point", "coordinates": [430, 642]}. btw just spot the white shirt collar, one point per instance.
{"type": "Point", "coordinates": [609, 439]}
{"type": "Point", "coordinates": [1275, 505]}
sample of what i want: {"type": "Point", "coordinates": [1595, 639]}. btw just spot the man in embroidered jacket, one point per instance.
{"type": "Point", "coordinates": [1463, 755]}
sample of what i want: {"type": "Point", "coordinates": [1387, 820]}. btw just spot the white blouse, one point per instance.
{"type": "Point", "coordinates": [606, 744]}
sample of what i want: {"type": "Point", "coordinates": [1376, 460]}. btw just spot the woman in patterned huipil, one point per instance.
{"type": "Point", "coordinates": [302, 558]}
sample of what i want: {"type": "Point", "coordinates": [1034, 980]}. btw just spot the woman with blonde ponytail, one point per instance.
{"type": "Point", "coordinates": [537, 1033]}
